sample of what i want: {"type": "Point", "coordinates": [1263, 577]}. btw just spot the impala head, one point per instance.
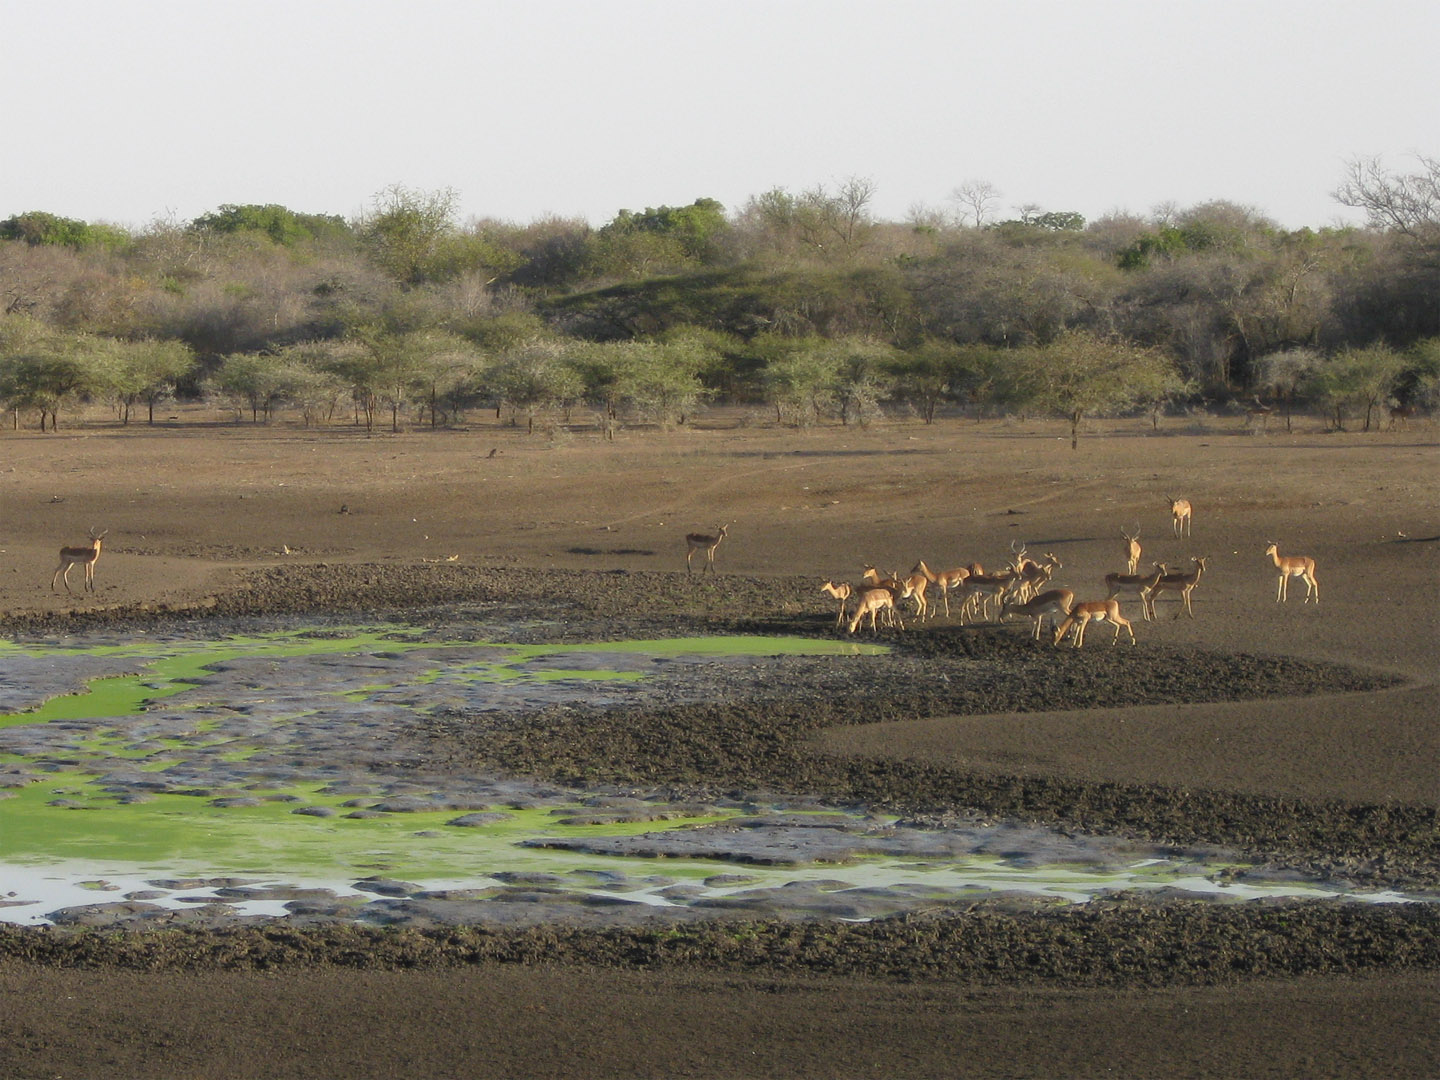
{"type": "Point", "coordinates": [1273, 548]}
{"type": "Point", "coordinates": [1132, 537]}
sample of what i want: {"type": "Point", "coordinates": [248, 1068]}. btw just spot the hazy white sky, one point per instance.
{"type": "Point", "coordinates": [126, 112]}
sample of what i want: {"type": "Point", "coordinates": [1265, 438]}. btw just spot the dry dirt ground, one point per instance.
{"type": "Point", "coordinates": [210, 517]}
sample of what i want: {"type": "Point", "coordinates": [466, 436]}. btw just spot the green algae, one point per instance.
{"type": "Point", "coordinates": [177, 833]}
{"type": "Point", "coordinates": [56, 819]}
{"type": "Point", "coordinates": [170, 668]}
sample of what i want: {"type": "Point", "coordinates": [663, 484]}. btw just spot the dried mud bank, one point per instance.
{"type": "Point", "coordinates": [758, 737]}
{"type": "Point", "coordinates": [1124, 943]}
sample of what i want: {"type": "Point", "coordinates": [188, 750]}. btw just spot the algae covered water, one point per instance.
{"type": "Point", "coordinates": [270, 773]}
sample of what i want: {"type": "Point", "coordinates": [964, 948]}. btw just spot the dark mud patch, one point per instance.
{"type": "Point", "coordinates": [757, 736]}
{"type": "Point", "coordinates": [1108, 944]}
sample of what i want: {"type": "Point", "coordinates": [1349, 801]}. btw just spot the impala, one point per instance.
{"type": "Point", "coordinates": [79, 556]}
{"type": "Point", "coordinates": [912, 586]}
{"type": "Point", "coordinates": [702, 542]}
{"type": "Point", "coordinates": [1139, 584]}
{"type": "Point", "coordinates": [1179, 582]}
{"type": "Point", "coordinates": [1301, 566]}
{"type": "Point", "coordinates": [1033, 576]}
{"type": "Point", "coordinates": [1259, 411]}
{"type": "Point", "coordinates": [1082, 615]}
{"type": "Point", "coordinates": [1055, 603]}
{"type": "Point", "coordinates": [1401, 414]}
{"type": "Point", "coordinates": [980, 589]}
{"type": "Point", "coordinates": [877, 598]}
{"type": "Point", "coordinates": [945, 580]}
{"type": "Point", "coordinates": [1132, 550]}
{"type": "Point", "coordinates": [841, 592]}
{"type": "Point", "coordinates": [1180, 516]}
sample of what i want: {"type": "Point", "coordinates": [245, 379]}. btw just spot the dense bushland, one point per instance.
{"type": "Point", "coordinates": [805, 305]}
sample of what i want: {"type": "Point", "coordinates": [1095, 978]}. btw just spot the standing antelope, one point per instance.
{"type": "Point", "coordinates": [877, 598]}
{"type": "Point", "coordinates": [83, 556]}
{"type": "Point", "coordinates": [841, 592]}
{"type": "Point", "coordinates": [1140, 584]}
{"type": "Point", "coordinates": [912, 586]}
{"type": "Point", "coordinates": [1259, 411]}
{"type": "Point", "coordinates": [1182, 583]}
{"type": "Point", "coordinates": [1180, 516]}
{"type": "Point", "coordinates": [980, 589]}
{"type": "Point", "coordinates": [1132, 550]}
{"type": "Point", "coordinates": [1082, 615]}
{"type": "Point", "coordinates": [701, 542]}
{"type": "Point", "coordinates": [944, 579]}
{"type": "Point", "coordinates": [1301, 566]}
{"type": "Point", "coordinates": [1033, 576]}
{"type": "Point", "coordinates": [1055, 603]}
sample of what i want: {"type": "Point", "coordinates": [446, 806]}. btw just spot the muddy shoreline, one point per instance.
{"type": "Point", "coordinates": [762, 738]}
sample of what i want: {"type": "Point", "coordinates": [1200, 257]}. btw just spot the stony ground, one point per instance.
{"type": "Point", "coordinates": [1305, 733]}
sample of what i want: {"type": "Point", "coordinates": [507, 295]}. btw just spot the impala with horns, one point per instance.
{"type": "Point", "coordinates": [1132, 550]}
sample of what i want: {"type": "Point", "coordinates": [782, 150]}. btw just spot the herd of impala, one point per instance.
{"type": "Point", "coordinates": [1019, 589]}
{"type": "Point", "coordinates": [1023, 588]}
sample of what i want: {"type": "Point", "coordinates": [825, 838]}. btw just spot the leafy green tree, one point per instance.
{"type": "Point", "coordinates": [257, 381]}
{"type": "Point", "coordinates": [862, 378]}
{"type": "Point", "coordinates": [283, 226]}
{"type": "Point", "coordinates": [533, 377]}
{"type": "Point", "coordinates": [44, 369]}
{"type": "Point", "coordinates": [605, 370]}
{"type": "Point", "coordinates": [405, 230]}
{"type": "Point", "coordinates": [393, 369]}
{"type": "Point", "coordinates": [664, 386]}
{"type": "Point", "coordinates": [448, 371]}
{"type": "Point", "coordinates": [1358, 378]}
{"type": "Point", "coordinates": [936, 371]}
{"type": "Point", "coordinates": [658, 239]}
{"type": "Point", "coordinates": [146, 371]}
{"type": "Point", "coordinates": [38, 228]}
{"type": "Point", "coordinates": [799, 375]}
{"type": "Point", "coordinates": [310, 385]}
{"type": "Point", "coordinates": [1422, 377]}
{"type": "Point", "coordinates": [1080, 374]}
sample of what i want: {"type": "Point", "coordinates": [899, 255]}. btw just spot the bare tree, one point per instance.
{"type": "Point", "coordinates": [1405, 204]}
{"type": "Point", "coordinates": [977, 200]}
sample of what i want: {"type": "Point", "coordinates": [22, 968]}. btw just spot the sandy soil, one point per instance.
{"type": "Point", "coordinates": [214, 517]}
